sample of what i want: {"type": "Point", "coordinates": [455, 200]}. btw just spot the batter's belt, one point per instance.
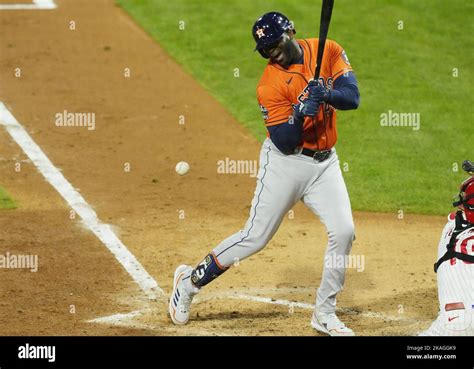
{"type": "Point", "coordinates": [318, 155]}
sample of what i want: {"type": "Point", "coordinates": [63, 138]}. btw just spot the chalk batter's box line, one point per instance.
{"type": "Point", "coordinates": [127, 319]}
{"type": "Point", "coordinates": [75, 200]}
{"type": "Point", "coordinates": [35, 5]}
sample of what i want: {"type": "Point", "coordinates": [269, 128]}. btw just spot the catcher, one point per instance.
{"type": "Point", "coordinates": [455, 267]}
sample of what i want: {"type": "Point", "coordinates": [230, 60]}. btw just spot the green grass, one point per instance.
{"type": "Point", "coordinates": [409, 70]}
{"type": "Point", "coordinates": [6, 202]}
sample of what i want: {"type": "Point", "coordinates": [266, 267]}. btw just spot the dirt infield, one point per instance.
{"type": "Point", "coordinates": [137, 128]}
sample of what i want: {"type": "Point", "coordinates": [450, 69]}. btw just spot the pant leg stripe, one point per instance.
{"type": "Point", "coordinates": [256, 205]}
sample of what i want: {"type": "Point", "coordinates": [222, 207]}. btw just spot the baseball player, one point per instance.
{"type": "Point", "coordinates": [455, 268]}
{"type": "Point", "coordinates": [298, 161]}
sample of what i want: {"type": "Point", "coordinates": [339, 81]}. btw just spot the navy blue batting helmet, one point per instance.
{"type": "Point", "coordinates": [268, 29]}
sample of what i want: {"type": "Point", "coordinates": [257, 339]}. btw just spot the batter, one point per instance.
{"type": "Point", "coordinates": [298, 161]}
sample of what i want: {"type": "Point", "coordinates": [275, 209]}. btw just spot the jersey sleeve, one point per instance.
{"type": "Point", "coordinates": [446, 236]}
{"type": "Point", "coordinates": [276, 108]}
{"type": "Point", "coordinates": [338, 60]}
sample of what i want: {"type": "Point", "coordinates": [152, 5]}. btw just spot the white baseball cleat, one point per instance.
{"type": "Point", "coordinates": [330, 324]}
{"type": "Point", "coordinates": [182, 297]}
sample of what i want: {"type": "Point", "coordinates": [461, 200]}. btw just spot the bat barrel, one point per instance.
{"type": "Point", "coordinates": [326, 12]}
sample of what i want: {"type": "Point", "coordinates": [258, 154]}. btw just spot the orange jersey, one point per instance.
{"type": "Point", "coordinates": [280, 89]}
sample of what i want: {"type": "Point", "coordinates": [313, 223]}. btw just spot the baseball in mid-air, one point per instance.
{"type": "Point", "coordinates": [182, 168]}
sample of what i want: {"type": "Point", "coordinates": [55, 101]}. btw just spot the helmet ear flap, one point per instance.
{"type": "Point", "coordinates": [264, 54]}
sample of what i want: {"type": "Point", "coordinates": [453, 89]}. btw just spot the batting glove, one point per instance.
{"type": "Point", "coordinates": [317, 92]}
{"type": "Point", "coordinates": [310, 106]}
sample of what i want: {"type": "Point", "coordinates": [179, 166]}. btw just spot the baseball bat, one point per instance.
{"type": "Point", "coordinates": [326, 12]}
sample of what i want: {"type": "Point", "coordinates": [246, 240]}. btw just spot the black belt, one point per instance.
{"type": "Point", "coordinates": [318, 155]}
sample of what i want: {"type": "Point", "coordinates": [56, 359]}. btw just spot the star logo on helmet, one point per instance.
{"type": "Point", "coordinates": [260, 32]}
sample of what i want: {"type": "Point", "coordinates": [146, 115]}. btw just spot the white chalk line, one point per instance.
{"type": "Point", "coordinates": [118, 318]}
{"type": "Point", "coordinates": [245, 295]}
{"type": "Point", "coordinates": [89, 218]}
{"type": "Point", "coordinates": [302, 305]}
{"type": "Point", "coordinates": [36, 5]}
{"type": "Point", "coordinates": [126, 320]}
